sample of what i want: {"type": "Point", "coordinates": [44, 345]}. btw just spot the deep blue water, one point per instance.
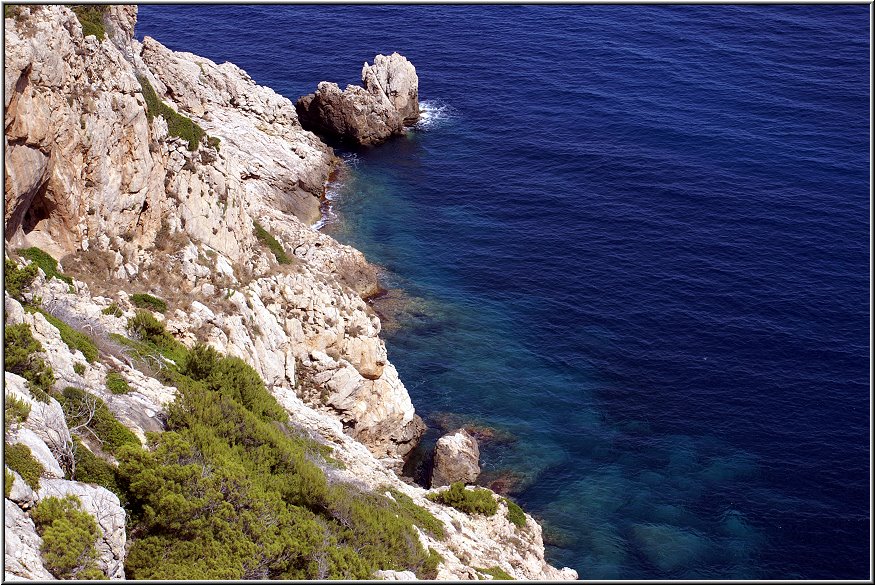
{"type": "Point", "coordinates": [639, 237]}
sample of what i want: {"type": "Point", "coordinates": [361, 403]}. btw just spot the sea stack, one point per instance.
{"type": "Point", "coordinates": [367, 115]}
{"type": "Point", "coordinates": [456, 458]}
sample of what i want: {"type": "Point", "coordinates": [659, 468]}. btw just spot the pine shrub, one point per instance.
{"type": "Point", "coordinates": [91, 18]}
{"type": "Point", "coordinates": [177, 124]}
{"type": "Point", "coordinates": [45, 261]}
{"type": "Point", "coordinates": [473, 501]}
{"type": "Point", "coordinates": [69, 535]}
{"type": "Point", "coordinates": [8, 480]}
{"type": "Point", "coordinates": [20, 460]}
{"type": "Point", "coordinates": [79, 405]}
{"type": "Point", "coordinates": [271, 242]}
{"type": "Point", "coordinates": [15, 411]}
{"type": "Point", "coordinates": [116, 384]}
{"type": "Point", "coordinates": [20, 356]}
{"type": "Point", "coordinates": [113, 310]}
{"type": "Point", "coordinates": [17, 280]}
{"type": "Point", "coordinates": [514, 513]}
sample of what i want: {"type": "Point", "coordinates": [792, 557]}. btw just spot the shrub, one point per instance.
{"type": "Point", "coordinates": [417, 514]}
{"type": "Point", "coordinates": [46, 262]}
{"type": "Point", "coordinates": [429, 567]}
{"type": "Point", "coordinates": [497, 573]}
{"type": "Point", "coordinates": [16, 411]}
{"type": "Point", "coordinates": [91, 18]}
{"type": "Point", "coordinates": [236, 379]}
{"type": "Point", "coordinates": [116, 384]}
{"type": "Point", "coordinates": [69, 535]}
{"type": "Point", "coordinates": [74, 339]}
{"type": "Point", "coordinates": [199, 362]}
{"type": "Point", "coordinates": [20, 357]}
{"type": "Point", "coordinates": [271, 242]}
{"type": "Point", "coordinates": [17, 280]}
{"type": "Point", "coordinates": [20, 460]}
{"type": "Point", "coordinates": [177, 124]}
{"type": "Point", "coordinates": [8, 480]}
{"type": "Point", "coordinates": [113, 310]}
{"type": "Point", "coordinates": [89, 411]}
{"type": "Point", "coordinates": [147, 301]}
{"type": "Point", "coordinates": [147, 328]}
{"type": "Point", "coordinates": [92, 469]}
{"type": "Point", "coordinates": [514, 513]}
{"type": "Point", "coordinates": [214, 142]}
{"type": "Point", "coordinates": [473, 501]}
{"type": "Point", "coordinates": [79, 368]}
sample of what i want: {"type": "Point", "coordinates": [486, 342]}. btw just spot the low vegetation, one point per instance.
{"type": "Point", "coordinates": [79, 368]}
{"type": "Point", "coordinates": [19, 459]}
{"type": "Point", "coordinates": [69, 535]}
{"type": "Point", "coordinates": [48, 264]}
{"type": "Point", "coordinates": [116, 384]}
{"type": "Point", "coordinates": [73, 338]}
{"type": "Point", "coordinates": [92, 469]}
{"type": "Point", "coordinates": [17, 280]}
{"type": "Point", "coordinates": [271, 242]}
{"type": "Point", "coordinates": [147, 301]}
{"type": "Point", "coordinates": [514, 513]}
{"type": "Point", "coordinates": [91, 18]}
{"type": "Point", "coordinates": [16, 411]}
{"type": "Point", "coordinates": [8, 481]}
{"type": "Point", "coordinates": [21, 356]}
{"type": "Point", "coordinates": [473, 501]}
{"type": "Point", "coordinates": [112, 310]}
{"type": "Point", "coordinates": [496, 573]}
{"type": "Point", "coordinates": [177, 125]}
{"type": "Point", "coordinates": [417, 514]}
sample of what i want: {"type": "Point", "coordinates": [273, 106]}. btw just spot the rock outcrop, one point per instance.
{"type": "Point", "coordinates": [456, 458]}
{"type": "Point", "coordinates": [365, 115]}
{"type": "Point", "coordinates": [128, 207]}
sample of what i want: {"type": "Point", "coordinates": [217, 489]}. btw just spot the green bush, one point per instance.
{"type": "Point", "coordinates": [69, 535]}
{"type": "Point", "coordinates": [417, 514]}
{"type": "Point", "coordinates": [16, 411]}
{"type": "Point", "coordinates": [497, 573]}
{"type": "Point", "coordinates": [46, 262]}
{"type": "Point", "coordinates": [271, 242]}
{"type": "Point", "coordinates": [177, 124]}
{"type": "Point", "coordinates": [20, 460]}
{"type": "Point", "coordinates": [514, 513]}
{"type": "Point", "coordinates": [91, 18]}
{"type": "Point", "coordinates": [74, 339]}
{"type": "Point", "coordinates": [20, 357]}
{"type": "Point", "coordinates": [145, 327]}
{"type": "Point", "coordinates": [428, 569]}
{"type": "Point", "coordinates": [79, 406]}
{"type": "Point", "coordinates": [17, 280]}
{"type": "Point", "coordinates": [116, 384]}
{"type": "Point", "coordinates": [92, 469]}
{"type": "Point", "coordinates": [199, 362]}
{"type": "Point", "coordinates": [473, 501]}
{"type": "Point", "coordinates": [147, 301]}
{"type": "Point", "coordinates": [79, 368]}
{"type": "Point", "coordinates": [8, 480]}
{"type": "Point", "coordinates": [113, 310]}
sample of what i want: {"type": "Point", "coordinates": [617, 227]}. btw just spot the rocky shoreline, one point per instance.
{"type": "Point", "coordinates": [217, 223]}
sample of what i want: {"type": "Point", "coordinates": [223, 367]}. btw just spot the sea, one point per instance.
{"type": "Point", "coordinates": [631, 246]}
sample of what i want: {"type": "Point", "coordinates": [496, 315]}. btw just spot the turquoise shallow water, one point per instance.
{"type": "Point", "coordinates": [638, 241]}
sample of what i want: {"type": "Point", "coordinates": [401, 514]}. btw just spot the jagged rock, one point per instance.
{"type": "Point", "coordinates": [456, 458]}
{"type": "Point", "coordinates": [22, 547]}
{"type": "Point", "coordinates": [395, 77]}
{"type": "Point", "coordinates": [365, 115]}
{"type": "Point", "coordinates": [21, 493]}
{"type": "Point", "coordinates": [106, 509]}
{"type": "Point", "coordinates": [46, 419]}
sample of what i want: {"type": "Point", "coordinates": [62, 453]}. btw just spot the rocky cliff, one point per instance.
{"type": "Point", "coordinates": [148, 170]}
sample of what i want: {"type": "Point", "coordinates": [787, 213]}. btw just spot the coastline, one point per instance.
{"type": "Point", "coordinates": [185, 233]}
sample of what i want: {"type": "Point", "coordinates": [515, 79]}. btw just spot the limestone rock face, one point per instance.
{"type": "Point", "coordinates": [365, 115]}
{"type": "Point", "coordinates": [21, 546]}
{"type": "Point", "coordinates": [456, 458]}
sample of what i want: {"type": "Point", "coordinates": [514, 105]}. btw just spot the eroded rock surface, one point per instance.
{"type": "Point", "coordinates": [365, 115]}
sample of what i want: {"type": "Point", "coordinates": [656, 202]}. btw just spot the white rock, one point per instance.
{"type": "Point", "coordinates": [21, 546]}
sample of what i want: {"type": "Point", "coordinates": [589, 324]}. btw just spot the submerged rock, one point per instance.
{"type": "Point", "coordinates": [365, 115]}
{"type": "Point", "coordinates": [456, 458]}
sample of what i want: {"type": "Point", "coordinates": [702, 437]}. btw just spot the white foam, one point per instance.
{"type": "Point", "coordinates": [433, 114]}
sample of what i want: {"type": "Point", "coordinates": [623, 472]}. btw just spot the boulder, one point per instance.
{"type": "Point", "coordinates": [456, 458]}
{"type": "Point", "coordinates": [365, 115]}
